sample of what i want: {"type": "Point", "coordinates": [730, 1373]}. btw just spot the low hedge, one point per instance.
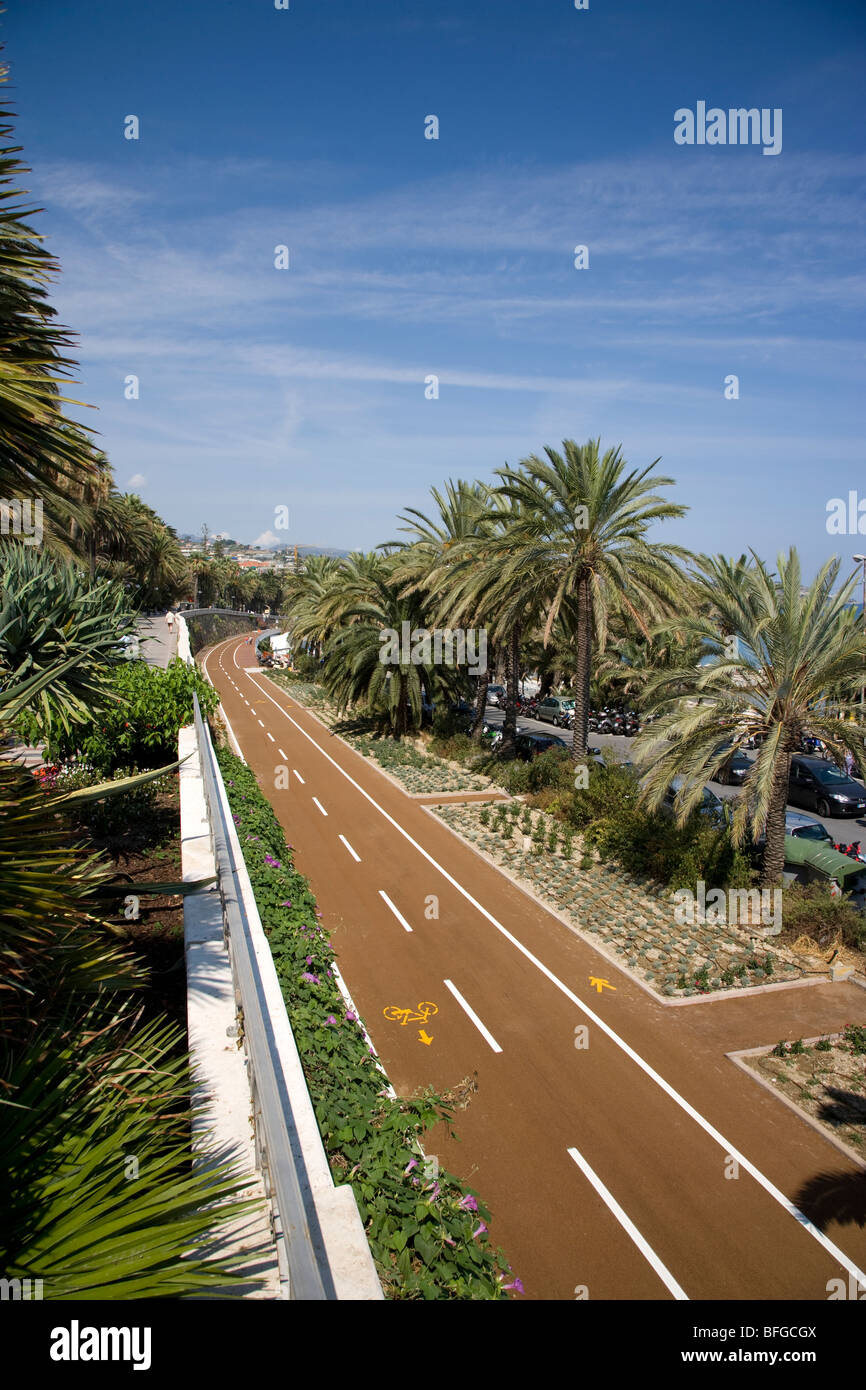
{"type": "Point", "coordinates": [427, 1236]}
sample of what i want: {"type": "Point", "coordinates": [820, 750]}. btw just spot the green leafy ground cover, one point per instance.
{"type": "Point", "coordinates": [429, 1237]}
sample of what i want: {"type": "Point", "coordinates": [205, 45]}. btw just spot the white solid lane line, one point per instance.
{"type": "Point", "coordinates": [400, 918]}
{"type": "Point", "coordinates": [630, 1228]}
{"type": "Point", "coordinates": [298, 775]}
{"type": "Point", "coordinates": [356, 857]}
{"type": "Point", "coordinates": [320, 806]}
{"type": "Point", "coordinates": [282, 753]}
{"type": "Point", "coordinates": [261, 721]}
{"type": "Point", "coordinates": [730, 1149]}
{"type": "Point", "coordinates": [271, 737]}
{"type": "Point", "coordinates": [485, 1032]}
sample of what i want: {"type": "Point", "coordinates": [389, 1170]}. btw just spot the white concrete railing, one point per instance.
{"type": "Point", "coordinates": [318, 1227]}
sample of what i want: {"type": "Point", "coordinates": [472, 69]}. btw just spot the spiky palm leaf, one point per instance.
{"type": "Point", "coordinates": [779, 659]}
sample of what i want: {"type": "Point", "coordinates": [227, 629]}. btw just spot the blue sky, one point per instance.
{"type": "Point", "coordinates": [304, 388]}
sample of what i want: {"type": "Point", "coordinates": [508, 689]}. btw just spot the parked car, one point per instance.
{"type": "Point", "coordinates": [555, 709]}
{"type": "Point", "coordinates": [711, 805]}
{"type": "Point", "coordinates": [496, 694]}
{"type": "Point", "coordinates": [530, 745]}
{"type": "Point", "coordinates": [824, 789]}
{"type": "Point", "coordinates": [804, 827]}
{"type": "Point", "coordinates": [733, 771]}
{"type": "Point", "coordinates": [130, 648]}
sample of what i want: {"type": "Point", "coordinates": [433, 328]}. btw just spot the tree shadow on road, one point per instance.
{"type": "Point", "coordinates": [832, 1197]}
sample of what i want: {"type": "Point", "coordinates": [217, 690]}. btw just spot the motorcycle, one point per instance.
{"type": "Point", "coordinates": [852, 851]}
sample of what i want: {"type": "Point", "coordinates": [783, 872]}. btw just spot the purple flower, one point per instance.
{"type": "Point", "coordinates": [274, 863]}
{"type": "Point", "coordinates": [311, 979]}
{"type": "Point", "coordinates": [468, 1204]}
{"type": "Point", "coordinates": [413, 1163]}
{"type": "Point", "coordinates": [318, 914]}
{"type": "Point", "coordinates": [517, 1284]}
{"type": "Point", "coordinates": [331, 1022]}
{"type": "Point", "coordinates": [309, 960]}
{"type": "Point", "coordinates": [287, 903]}
{"type": "Point", "coordinates": [350, 1017]}
{"type": "Point", "coordinates": [479, 1230]}
{"type": "Point", "coordinates": [435, 1193]}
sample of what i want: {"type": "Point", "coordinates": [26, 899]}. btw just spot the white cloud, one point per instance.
{"type": "Point", "coordinates": [268, 541]}
{"type": "Point", "coordinates": [138, 480]}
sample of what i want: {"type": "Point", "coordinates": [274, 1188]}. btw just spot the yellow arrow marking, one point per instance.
{"type": "Point", "coordinates": [425, 1038]}
{"type": "Point", "coordinates": [599, 985]}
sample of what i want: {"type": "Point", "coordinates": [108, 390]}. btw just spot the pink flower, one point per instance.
{"type": "Point", "coordinates": [435, 1193]}
{"type": "Point", "coordinates": [449, 1241]}
{"type": "Point", "coordinates": [309, 960]}
{"type": "Point", "coordinates": [331, 1022]}
{"type": "Point", "coordinates": [468, 1204]}
{"type": "Point", "coordinates": [350, 1017]}
{"type": "Point", "coordinates": [413, 1163]}
{"type": "Point", "coordinates": [517, 1284]}
{"type": "Point", "coordinates": [479, 1230]}
{"type": "Point", "coordinates": [310, 979]}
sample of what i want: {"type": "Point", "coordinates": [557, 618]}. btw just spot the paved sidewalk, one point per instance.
{"type": "Point", "coordinates": [158, 643]}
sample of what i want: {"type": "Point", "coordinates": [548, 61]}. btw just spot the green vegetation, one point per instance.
{"type": "Point", "coordinates": [809, 910]}
{"type": "Point", "coordinates": [142, 711]}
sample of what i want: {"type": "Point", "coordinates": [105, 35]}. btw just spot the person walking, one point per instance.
{"type": "Point", "coordinates": [169, 621]}
{"type": "Point", "coordinates": [849, 763]}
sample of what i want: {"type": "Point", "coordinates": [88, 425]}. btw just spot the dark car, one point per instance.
{"type": "Point", "coordinates": [530, 745]}
{"type": "Point", "coordinates": [823, 788]}
{"type": "Point", "coordinates": [733, 771]}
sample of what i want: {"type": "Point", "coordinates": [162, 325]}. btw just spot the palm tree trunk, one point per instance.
{"type": "Point", "coordinates": [512, 666]}
{"type": "Point", "coordinates": [583, 673]}
{"type": "Point", "coordinates": [401, 723]}
{"type": "Point", "coordinates": [480, 706]}
{"type": "Point", "coordinates": [774, 849]}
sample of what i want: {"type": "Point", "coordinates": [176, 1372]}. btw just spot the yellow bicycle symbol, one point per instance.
{"type": "Point", "coordinates": [404, 1016]}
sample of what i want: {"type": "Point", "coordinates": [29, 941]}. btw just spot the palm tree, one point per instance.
{"type": "Point", "coordinates": [306, 592]}
{"type": "Point", "coordinates": [44, 458]}
{"type": "Point", "coordinates": [578, 547]}
{"type": "Point", "coordinates": [434, 562]}
{"type": "Point", "coordinates": [779, 659]}
{"type": "Point", "coordinates": [364, 601]}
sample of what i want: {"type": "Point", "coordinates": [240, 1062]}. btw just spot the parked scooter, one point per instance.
{"type": "Point", "coordinates": [852, 850]}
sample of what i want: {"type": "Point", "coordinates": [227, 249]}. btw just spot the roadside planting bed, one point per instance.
{"type": "Point", "coordinates": [632, 917]}
{"type": "Point", "coordinates": [826, 1079]}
